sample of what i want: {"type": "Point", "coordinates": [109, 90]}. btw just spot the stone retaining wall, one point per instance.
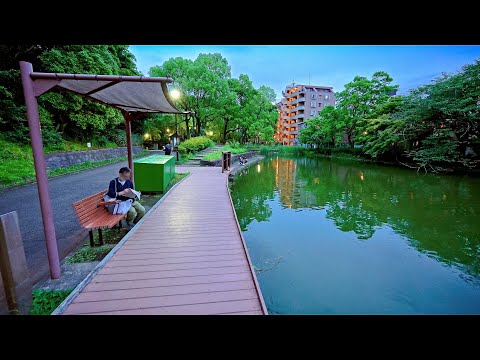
{"type": "Point", "coordinates": [64, 159]}
{"type": "Point", "coordinates": [234, 159]}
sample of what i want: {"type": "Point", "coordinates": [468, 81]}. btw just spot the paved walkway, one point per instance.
{"type": "Point", "coordinates": [186, 257]}
{"type": "Point", "coordinates": [64, 190]}
{"type": "Point", "coordinates": [195, 161]}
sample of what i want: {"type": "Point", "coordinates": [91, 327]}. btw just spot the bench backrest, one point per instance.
{"type": "Point", "coordinates": [87, 210]}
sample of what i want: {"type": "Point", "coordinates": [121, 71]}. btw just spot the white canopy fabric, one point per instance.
{"type": "Point", "coordinates": [129, 96]}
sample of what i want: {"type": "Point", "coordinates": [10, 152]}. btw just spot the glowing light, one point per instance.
{"type": "Point", "coordinates": [210, 133]}
{"type": "Point", "coordinates": [146, 136]}
{"type": "Point", "coordinates": [175, 94]}
{"type": "Point", "coordinates": [365, 132]}
{"type": "Point", "coordinates": [361, 177]}
{"type": "Point", "coordinates": [258, 168]}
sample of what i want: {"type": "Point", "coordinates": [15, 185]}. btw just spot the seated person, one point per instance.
{"type": "Point", "coordinates": [123, 186]}
{"type": "Point", "coordinates": [243, 160]}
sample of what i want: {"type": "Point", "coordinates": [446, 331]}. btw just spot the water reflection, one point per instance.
{"type": "Point", "coordinates": [437, 214]}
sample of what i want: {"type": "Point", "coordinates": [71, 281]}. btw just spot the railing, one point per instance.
{"type": "Point", "coordinates": [226, 161]}
{"type": "Point", "coordinates": [301, 99]}
{"type": "Point", "coordinates": [298, 116]}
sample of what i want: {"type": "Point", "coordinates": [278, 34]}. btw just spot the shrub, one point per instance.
{"type": "Point", "coordinates": [45, 301]}
{"type": "Point", "coordinates": [119, 137]}
{"type": "Point", "coordinates": [194, 144]}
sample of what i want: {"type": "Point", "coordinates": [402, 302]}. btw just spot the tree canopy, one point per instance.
{"type": "Point", "coordinates": [435, 127]}
{"type": "Point", "coordinates": [230, 108]}
{"type": "Point", "coordinates": [63, 115]}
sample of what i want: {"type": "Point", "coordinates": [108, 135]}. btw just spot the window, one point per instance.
{"type": "Point", "coordinates": [314, 96]}
{"type": "Point", "coordinates": [327, 97]}
{"type": "Point", "coordinates": [312, 112]}
{"type": "Point", "coordinates": [313, 104]}
{"type": "Point", "coordinates": [319, 105]}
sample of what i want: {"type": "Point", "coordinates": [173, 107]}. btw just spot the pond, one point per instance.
{"type": "Point", "coordinates": [340, 237]}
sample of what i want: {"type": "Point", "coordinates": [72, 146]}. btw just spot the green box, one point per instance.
{"type": "Point", "coordinates": [153, 173]}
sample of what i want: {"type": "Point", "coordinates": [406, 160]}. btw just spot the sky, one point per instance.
{"type": "Point", "coordinates": [332, 65]}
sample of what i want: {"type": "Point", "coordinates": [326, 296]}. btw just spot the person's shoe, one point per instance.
{"type": "Point", "coordinates": [130, 226]}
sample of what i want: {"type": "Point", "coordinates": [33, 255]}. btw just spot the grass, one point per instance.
{"type": "Point", "coordinates": [16, 164]}
{"type": "Point", "coordinates": [184, 158]}
{"type": "Point", "coordinates": [45, 301]}
{"type": "Point", "coordinates": [114, 235]}
{"type": "Point", "coordinates": [88, 254]}
{"type": "Point", "coordinates": [217, 155]}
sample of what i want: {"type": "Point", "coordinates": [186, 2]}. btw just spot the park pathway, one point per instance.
{"type": "Point", "coordinates": [186, 257]}
{"type": "Point", "coordinates": [64, 190]}
{"type": "Point", "coordinates": [195, 161]}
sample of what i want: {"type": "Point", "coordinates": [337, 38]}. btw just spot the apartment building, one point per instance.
{"type": "Point", "coordinates": [299, 103]}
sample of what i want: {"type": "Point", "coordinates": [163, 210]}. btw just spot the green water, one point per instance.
{"type": "Point", "coordinates": [335, 237]}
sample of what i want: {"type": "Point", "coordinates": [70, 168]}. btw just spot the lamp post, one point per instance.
{"type": "Point", "coordinates": [175, 94]}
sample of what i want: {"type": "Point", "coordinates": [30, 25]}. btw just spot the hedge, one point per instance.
{"type": "Point", "coordinates": [195, 144]}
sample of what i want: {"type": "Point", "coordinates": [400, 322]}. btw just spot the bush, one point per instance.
{"type": "Point", "coordinates": [194, 144]}
{"type": "Point", "coordinates": [338, 150]}
{"type": "Point", "coordinates": [53, 140]}
{"type": "Point", "coordinates": [216, 155]}
{"type": "Point", "coordinates": [44, 302]}
{"type": "Point", "coordinates": [119, 137]}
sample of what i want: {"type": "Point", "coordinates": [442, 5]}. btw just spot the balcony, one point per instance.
{"type": "Point", "coordinates": [298, 116]}
{"type": "Point", "coordinates": [300, 99]}
{"type": "Point", "coordinates": [301, 107]}
{"type": "Point", "coordinates": [296, 93]}
{"type": "Point", "coordinates": [291, 132]}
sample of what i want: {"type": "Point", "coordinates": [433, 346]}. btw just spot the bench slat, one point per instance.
{"type": "Point", "coordinates": [92, 216]}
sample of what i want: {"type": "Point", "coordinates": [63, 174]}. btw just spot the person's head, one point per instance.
{"type": "Point", "coordinates": [125, 173]}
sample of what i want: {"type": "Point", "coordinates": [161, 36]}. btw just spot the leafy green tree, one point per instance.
{"type": "Point", "coordinates": [231, 107]}
{"type": "Point", "coordinates": [359, 100]}
{"type": "Point", "coordinates": [201, 82]}
{"type": "Point", "coordinates": [442, 121]}
{"type": "Point", "coordinates": [61, 113]}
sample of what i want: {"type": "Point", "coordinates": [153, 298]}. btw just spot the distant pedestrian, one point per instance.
{"type": "Point", "coordinates": [168, 149]}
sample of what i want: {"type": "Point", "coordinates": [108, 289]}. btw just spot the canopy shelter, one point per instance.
{"type": "Point", "coordinates": [132, 95]}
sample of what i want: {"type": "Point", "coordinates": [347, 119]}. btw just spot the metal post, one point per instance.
{"type": "Point", "coordinates": [40, 169]}
{"type": "Point", "coordinates": [128, 130]}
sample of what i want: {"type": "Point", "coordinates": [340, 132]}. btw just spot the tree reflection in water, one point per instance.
{"type": "Point", "coordinates": [437, 214]}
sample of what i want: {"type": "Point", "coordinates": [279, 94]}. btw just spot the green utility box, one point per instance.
{"type": "Point", "coordinates": [153, 173]}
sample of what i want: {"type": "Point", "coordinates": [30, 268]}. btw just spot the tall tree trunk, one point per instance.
{"type": "Point", "coordinates": [187, 126]}
{"type": "Point", "coordinates": [199, 126]}
{"type": "Point", "coordinates": [225, 130]}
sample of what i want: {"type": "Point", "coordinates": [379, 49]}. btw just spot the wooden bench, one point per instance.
{"type": "Point", "coordinates": [92, 215]}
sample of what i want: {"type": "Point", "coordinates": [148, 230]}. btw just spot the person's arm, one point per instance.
{"type": "Point", "coordinates": [111, 190]}
{"type": "Point", "coordinates": [131, 184]}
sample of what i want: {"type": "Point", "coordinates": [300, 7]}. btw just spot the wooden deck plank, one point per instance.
{"type": "Point", "coordinates": [172, 267]}
{"type": "Point", "coordinates": [197, 309]}
{"type": "Point", "coordinates": [169, 260]}
{"type": "Point", "coordinates": [163, 291]}
{"type": "Point", "coordinates": [186, 257]}
{"type": "Point", "coordinates": [139, 284]}
{"type": "Point", "coordinates": [156, 301]}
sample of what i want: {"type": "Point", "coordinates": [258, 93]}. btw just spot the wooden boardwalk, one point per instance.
{"type": "Point", "coordinates": [187, 257]}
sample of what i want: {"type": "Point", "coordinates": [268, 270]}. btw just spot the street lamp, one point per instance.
{"type": "Point", "coordinates": [175, 94]}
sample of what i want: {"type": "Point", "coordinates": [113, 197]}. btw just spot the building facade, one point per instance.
{"type": "Point", "coordinates": [299, 103]}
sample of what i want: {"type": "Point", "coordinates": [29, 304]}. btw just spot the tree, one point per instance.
{"type": "Point", "coordinates": [61, 113]}
{"type": "Point", "coordinates": [233, 107]}
{"type": "Point", "coordinates": [443, 121]}
{"type": "Point", "coordinates": [202, 83]}
{"type": "Point", "coordinates": [359, 100]}
{"type": "Point", "coordinates": [326, 129]}
{"type": "Point", "coordinates": [72, 113]}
